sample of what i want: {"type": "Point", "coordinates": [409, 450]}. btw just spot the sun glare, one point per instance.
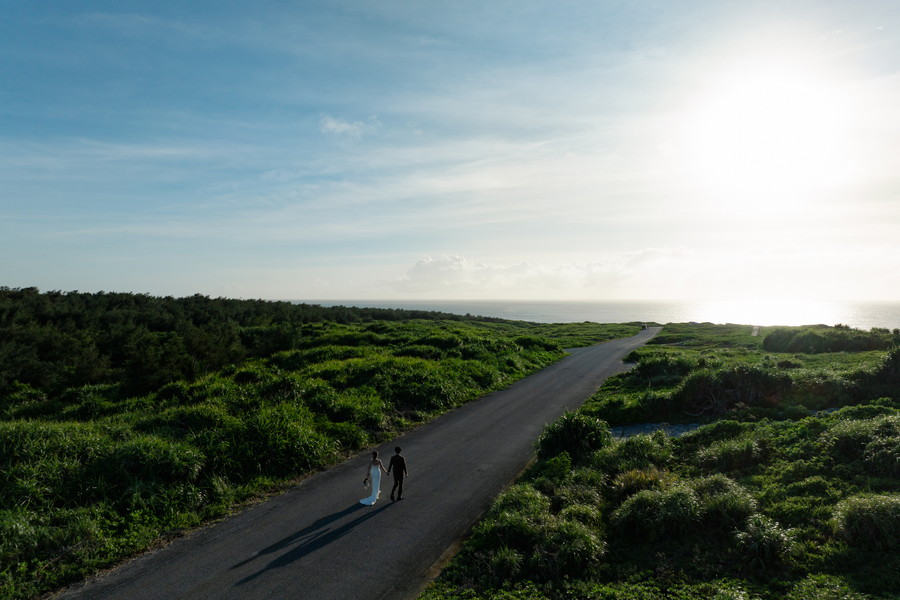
{"type": "Point", "coordinates": [764, 137]}
{"type": "Point", "coordinates": [770, 312]}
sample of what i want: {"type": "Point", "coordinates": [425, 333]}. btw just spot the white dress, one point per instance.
{"type": "Point", "coordinates": [375, 480]}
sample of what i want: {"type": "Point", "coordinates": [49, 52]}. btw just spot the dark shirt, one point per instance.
{"type": "Point", "coordinates": [397, 466]}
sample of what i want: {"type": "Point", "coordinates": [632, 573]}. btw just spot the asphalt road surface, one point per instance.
{"type": "Point", "coordinates": [317, 542]}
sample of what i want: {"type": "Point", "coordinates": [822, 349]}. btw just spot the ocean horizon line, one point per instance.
{"type": "Point", "coordinates": [864, 314]}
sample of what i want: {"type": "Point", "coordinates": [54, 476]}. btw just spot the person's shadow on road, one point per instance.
{"type": "Point", "coordinates": [309, 539]}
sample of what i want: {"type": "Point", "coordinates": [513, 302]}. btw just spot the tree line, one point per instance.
{"type": "Point", "coordinates": [136, 343]}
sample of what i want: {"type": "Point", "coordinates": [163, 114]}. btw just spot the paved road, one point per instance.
{"type": "Point", "coordinates": [316, 542]}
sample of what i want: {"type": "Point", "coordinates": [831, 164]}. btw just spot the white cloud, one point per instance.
{"type": "Point", "coordinates": [670, 272]}
{"type": "Point", "coordinates": [348, 129]}
{"type": "Point", "coordinates": [459, 277]}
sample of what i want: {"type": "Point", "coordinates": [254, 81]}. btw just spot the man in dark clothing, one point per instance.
{"type": "Point", "coordinates": [398, 466]}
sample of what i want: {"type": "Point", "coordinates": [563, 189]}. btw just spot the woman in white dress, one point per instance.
{"type": "Point", "coordinates": [373, 475]}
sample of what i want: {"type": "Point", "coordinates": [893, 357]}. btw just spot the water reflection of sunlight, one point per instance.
{"type": "Point", "coordinates": [770, 312]}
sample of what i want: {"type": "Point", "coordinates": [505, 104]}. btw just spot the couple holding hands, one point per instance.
{"type": "Point", "coordinates": [397, 464]}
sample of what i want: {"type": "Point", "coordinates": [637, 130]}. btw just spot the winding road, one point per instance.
{"type": "Point", "coordinates": [317, 542]}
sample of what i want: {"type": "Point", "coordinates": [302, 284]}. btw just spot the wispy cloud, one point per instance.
{"type": "Point", "coordinates": [348, 129]}
{"type": "Point", "coordinates": [674, 272]}
{"type": "Point", "coordinates": [528, 153]}
{"type": "Point", "coordinates": [459, 277]}
{"type": "Point", "coordinates": [136, 24]}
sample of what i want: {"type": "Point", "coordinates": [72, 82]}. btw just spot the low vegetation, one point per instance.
{"type": "Point", "coordinates": [772, 499]}
{"type": "Point", "coordinates": [125, 419]}
{"type": "Point", "coordinates": [694, 373]}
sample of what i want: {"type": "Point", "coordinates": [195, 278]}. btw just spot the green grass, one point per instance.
{"type": "Point", "coordinates": [89, 476]}
{"type": "Point", "coordinates": [686, 376]}
{"type": "Point", "coordinates": [768, 501]}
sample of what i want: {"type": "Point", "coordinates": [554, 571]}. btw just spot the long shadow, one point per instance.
{"type": "Point", "coordinates": [309, 530]}
{"type": "Point", "coordinates": [308, 540]}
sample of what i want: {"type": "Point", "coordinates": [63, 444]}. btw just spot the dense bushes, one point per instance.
{"type": "Point", "coordinates": [91, 474]}
{"type": "Point", "coordinates": [54, 341]}
{"type": "Point", "coordinates": [724, 503]}
{"type": "Point", "coordinates": [657, 514]}
{"type": "Point", "coordinates": [687, 381]}
{"type": "Point", "coordinates": [674, 509]}
{"type": "Point", "coordinates": [819, 339]}
{"type": "Point", "coordinates": [763, 543]}
{"type": "Point", "coordinates": [523, 538]}
{"type": "Point", "coordinates": [870, 522]}
{"type": "Point", "coordinates": [575, 434]}
{"type": "Point", "coordinates": [875, 443]}
{"type": "Point", "coordinates": [764, 510]}
{"type": "Point", "coordinates": [715, 392]}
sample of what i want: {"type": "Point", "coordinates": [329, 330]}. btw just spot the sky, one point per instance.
{"type": "Point", "coordinates": [556, 150]}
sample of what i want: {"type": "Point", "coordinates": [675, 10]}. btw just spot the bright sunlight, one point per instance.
{"type": "Point", "coordinates": [765, 136]}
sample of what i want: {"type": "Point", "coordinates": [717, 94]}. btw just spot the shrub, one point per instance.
{"type": "Point", "coordinates": [509, 529]}
{"type": "Point", "coordinates": [820, 338]}
{"type": "Point", "coordinates": [280, 440]}
{"type": "Point", "coordinates": [847, 439]}
{"type": "Point", "coordinates": [523, 499]}
{"type": "Point", "coordinates": [637, 452]}
{"type": "Point", "coordinates": [702, 393]}
{"type": "Point", "coordinates": [572, 493]}
{"type": "Point", "coordinates": [577, 434]}
{"type": "Point", "coordinates": [251, 375]}
{"type": "Point", "coordinates": [889, 370]}
{"type": "Point", "coordinates": [506, 564]}
{"type": "Point", "coordinates": [151, 459]}
{"type": "Point", "coordinates": [582, 513]}
{"type": "Point", "coordinates": [882, 456]}
{"type": "Point", "coordinates": [637, 480]}
{"type": "Point", "coordinates": [320, 397]}
{"type": "Point", "coordinates": [29, 441]}
{"type": "Point", "coordinates": [870, 522]}
{"type": "Point", "coordinates": [416, 384]}
{"type": "Point", "coordinates": [530, 342]}
{"type": "Point", "coordinates": [875, 441]}
{"type": "Point", "coordinates": [90, 402]}
{"type": "Point", "coordinates": [346, 436]}
{"type": "Point", "coordinates": [663, 369]}
{"type": "Point", "coordinates": [295, 360]}
{"type": "Point", "coordinates": [716, 431]}
{"type": "Point", "coordinates": [420, 351]}
{"type": "Point", "coordinates": [568, 549]}
{"type": "Point", "coordinates": [816, 487]}
{"type": "Point", "coordinates": [823, 587]}
{"type": "Point", "coordinates": [723, 502]}
{"type": "Point", "coordinates": [730, 455]}
{"type": "Point", "coordinates": [823, 390]}
{"type": "Point", "coordinates": [656, 514]}
{"type": "Point", "coordinates": [716, 391]}
{"type": "Point", "coordinates": [139, 473]}
{"type": "Point", "coordinates": [642, 451]}
{"type": "Point", "coordinates": [195, 418]}
{"type": "Point", "coordinates": [763, 543]}
{"type": "Point", "coordinates": [556, 469]}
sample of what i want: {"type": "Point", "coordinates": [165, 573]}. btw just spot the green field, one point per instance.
{"type": "Point", "coordinates": [125, 419]}
{"type": "Point", "coordinates": [776, 497]}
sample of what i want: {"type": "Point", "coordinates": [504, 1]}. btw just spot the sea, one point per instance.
{"type": "Point", "coordinates": [859, 315]}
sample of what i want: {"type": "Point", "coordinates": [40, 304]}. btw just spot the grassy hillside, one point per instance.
{"type": "Point", "coordinates": [93, 471]}
{"type": "Point", "coordinates": [699, 373]}
{"type": "Point", "coordinates": [771, 500]}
